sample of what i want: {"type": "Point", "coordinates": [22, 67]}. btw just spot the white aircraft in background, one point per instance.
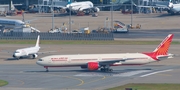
{"type": "Point", "coordinates": [174, 8]}
{"type": "Point", "coordinates": [26, 52]}
{"type": "Point", "coordinates": [12, 23]}
{"type": "Point", "coordinates": [75, 7]}
{"type": "Point", "coordinates": [82, 6]}
{"type": "Point", "coordinates": [104, 61]}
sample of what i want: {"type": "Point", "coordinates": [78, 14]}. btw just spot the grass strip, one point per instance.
{"type": "Point", "coordinates": [76, 42]}
{"type": "Point", "coordinates": [3, 83]}
{"type": "Point", "coordinates": [150, 86]}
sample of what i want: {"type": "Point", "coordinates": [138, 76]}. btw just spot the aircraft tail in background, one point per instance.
{"type": "Point", "coordinates": [37, 42]}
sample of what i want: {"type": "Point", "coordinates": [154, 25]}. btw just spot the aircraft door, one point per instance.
{"type": "Point", "coordinates": [69, 60]}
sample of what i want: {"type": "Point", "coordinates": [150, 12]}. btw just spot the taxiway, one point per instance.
{"type": "Point", "coordinates": [24, 74]}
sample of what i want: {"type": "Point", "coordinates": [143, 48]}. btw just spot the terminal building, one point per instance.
{"type": "Point", "coordinates": [27, 3]}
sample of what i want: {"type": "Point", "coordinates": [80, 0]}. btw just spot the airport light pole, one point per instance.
{"type": "Point", "coordinates": [112, 14]}
{"type": "Point", "coordinates": [70, 17]}
{"type": "Point", "coordinates": [52, 15]}
{"type": "Point", "coordinates": [131, 13]}
{"type": "Point", "coordinates": [139, 7]}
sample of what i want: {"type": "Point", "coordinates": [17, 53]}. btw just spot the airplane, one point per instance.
{"type": "Point", "coordinates": [86, 6]}
{"type": "Point", "coordinates": [27, 52]}
{"type": "Point", "coordinates": [75, 7]}
{"type": "Point", "coordinates": [174, 8]}
{"type": "Point", "coordinates": [104, 61]}
{"type": "Point", "coordinates": [12, 23]}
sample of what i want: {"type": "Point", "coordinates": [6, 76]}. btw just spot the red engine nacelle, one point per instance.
{"type": "Point", "coordinates": [93, 65]}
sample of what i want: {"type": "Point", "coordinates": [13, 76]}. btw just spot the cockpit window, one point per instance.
{"type": "Point", "coordinates": [40, 60]}
{"type": "Point", "coordinates": [17, 52]}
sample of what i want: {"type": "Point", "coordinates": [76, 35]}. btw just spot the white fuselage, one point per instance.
{"type": "Point", "coordinates": [175, 8]}
{"type": "Point", "coordinates": [10, 23]}
{"type": "Point", "coordinates": [26, 51]}
{"type": "Point", "coordinates": [80, 5]}
{"type": "Point", "coordinates": [80, 60]}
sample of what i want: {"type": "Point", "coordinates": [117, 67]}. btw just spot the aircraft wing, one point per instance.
{"type": "Point", "coordinates": [58, 6]}
{"type": "Point", "coordinates": [107, 5]}
{"type": "Point", "coordinates": [157, 6]}
{"type": "Point", "coordinates": [46, 52]}
{"type": "Point", "coordinates": [105, 62]}
{"type": "Point", "coordinates": [166, 56]}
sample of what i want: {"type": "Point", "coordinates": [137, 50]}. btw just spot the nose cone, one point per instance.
{"type": "Point", "coordinates": [16, 55]}
{"type": "Point", "coordinates": [40, 62]}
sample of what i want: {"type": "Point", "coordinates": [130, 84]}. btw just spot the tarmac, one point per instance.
{"type": "Point", "coordinates": [24, 74]}
{"type": "Point", "coordinates": [43, 21]}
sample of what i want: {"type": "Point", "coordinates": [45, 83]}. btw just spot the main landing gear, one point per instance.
{"type": "Point", "coordinates": [106, 68]}
{"type": "Point", "coordinates": [46, 69]}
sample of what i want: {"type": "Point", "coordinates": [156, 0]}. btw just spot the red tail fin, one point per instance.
{"type": "Point", "coordinates": [162, 49]}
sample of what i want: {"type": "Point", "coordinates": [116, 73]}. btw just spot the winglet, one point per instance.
{"type": "Point", "coordinates": [162, 49]}
{"type": "Point", "coordinates": [37, 42]}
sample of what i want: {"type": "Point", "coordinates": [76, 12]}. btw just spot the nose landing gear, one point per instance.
{"type": "Point", "coordinates": [46, 69]}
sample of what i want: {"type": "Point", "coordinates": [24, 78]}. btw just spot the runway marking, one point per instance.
{"type": "Point", "coordinates": [82, 82]}
{"type": "Point", "coordinates": [119, 74]}
{"type": "Point", "coordinates": [155, 72]}
{"type": "Point", "coordinates": [95, 80]}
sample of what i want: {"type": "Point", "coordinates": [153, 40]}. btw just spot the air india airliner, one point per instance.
{"type": "Point", "coordinates": [104, 61]}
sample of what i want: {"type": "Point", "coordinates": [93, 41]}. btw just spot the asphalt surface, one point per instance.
{"type": "Point", "coordinates": [148, 34]}
{"type": "Point", "coordinates": [24, 74]}
{"type": "Point", "coordinates": [34, 77]}
{"type": "Point", "coordinates": [153, 26]}
{"type": "Point", "coordinates": [43, 21]}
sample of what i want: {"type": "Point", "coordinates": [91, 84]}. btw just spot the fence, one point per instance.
{"type": "Point", "coordinates": [57, 36]}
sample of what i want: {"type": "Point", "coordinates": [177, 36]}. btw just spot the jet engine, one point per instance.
{"type": "Point", "coordinates": [35, 56]}
{"type": "Point", "coordinates": [93, 65]}
{"type": "Point", "coordinates": [96, 9]}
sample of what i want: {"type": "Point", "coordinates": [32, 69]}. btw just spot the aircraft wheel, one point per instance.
{"type": "Point", "coordinates": [17, 58]}
{"type": "Point", "coordinates": [106, 69]}
{"type": "Point", "coordinates": [20, 57]}
{"type": "Point", "coordinates": [46, 69]}
{"type": "Point", "coordinates": [102, 69]}
{"type": "Point", "coordinates": [33, 57]}
{"type": "Point", "coordinates": [110, 70]}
